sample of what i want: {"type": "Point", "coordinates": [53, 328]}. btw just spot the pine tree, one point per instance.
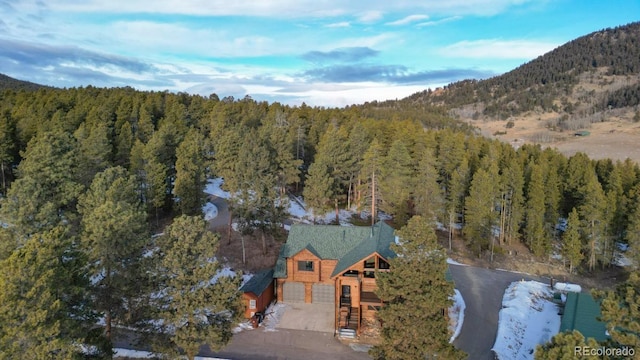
{"type": "Point", "coordinates": [7, 148]}
{"type": "Point", "coordinates": [620, 309]}
{"type": "Point", "coordinates": [534, 230]}
{"type": "Point", "coordinates": [288, 167]}
{"type": "Point", "coordinates": [317, 190]}
{"type": "Point", "coordinates": [256, 204]}
{"type": "Point", "coordinates": [156, 189]}
{"type": "Point", "coordinates": [428, 196]}
{"type": "Point", "coordinates": [632, 233]}
{"type": "Point", "coordinates": [571, 241]}
{"type": "Point", "coordinates": [397, 182]}
{"type": "Point", "coordinates": [370, 172]}
{"type": "Point", "coordinates": [333, 152]}
{"type": "Point", "coordinates": [407, 292]}
{"type": "Point", "coordinates": [47, 189]}
{"type": "Point", "coordinates": [42, 309]}
{"type": "Point", "coordinates": [358, 144]}
{"type": "Point", "coordinates": [124, 142]}
{"type": "Point", "coordinates": [512, 199]}
{"type": "Point", "coordinates": [563, 346]}
{"type": "Point", "coordinates": [114, 236]}
{"type": "Point", "coordinates": [94, 150]}
{"type": "Point", "coordinates": [478, 213]}
{"type": "Point", "coordinates": [591, 210]}
{"type": "Point", "coordinates": [198, 309]}
{"type": "Point", "coordinates": [191, 176]}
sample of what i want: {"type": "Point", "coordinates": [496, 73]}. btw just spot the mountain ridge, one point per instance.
{"type": "Point", "coordinates": [610, 58]}
{"type": "Point", "coordinates": [9, 83]}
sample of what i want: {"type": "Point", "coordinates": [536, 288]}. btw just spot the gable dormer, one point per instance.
{"type": "Point", "coordinates": [304, 265]}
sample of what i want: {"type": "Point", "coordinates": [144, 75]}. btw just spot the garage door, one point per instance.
{"type": "Point", "coordinates": [323, 294]}
{"type": "Point", "coordinates": [293, 292]}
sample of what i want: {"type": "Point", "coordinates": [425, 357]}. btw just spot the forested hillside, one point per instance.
{"type": "Point", "coordinates": [594, 72]}
{"type": "Point", "coordinates": [9, 83]}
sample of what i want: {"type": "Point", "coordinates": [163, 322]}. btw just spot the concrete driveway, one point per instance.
{"type": "Point", "coordinates": [310, 317]}
{"type": "Point", "coordinates": [482, 291]}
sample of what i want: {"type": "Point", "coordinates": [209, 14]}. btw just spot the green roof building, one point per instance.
{"type": "Point", "coordinates": [581, 313]}
{"type": "Point", "coordinates": [347, 244]}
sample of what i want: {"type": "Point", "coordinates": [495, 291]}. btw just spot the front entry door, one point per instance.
{"type": "Point", "coordinates": [345, 297]}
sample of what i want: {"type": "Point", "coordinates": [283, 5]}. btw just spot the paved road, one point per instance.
{"type": "Point", "coordinates": [223, 212]}
{"type": "Point", "coordinates": [482, 291]}
{"type": "Point", "coordinates": [286, 344]}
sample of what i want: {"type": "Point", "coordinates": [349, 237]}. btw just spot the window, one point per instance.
{"type": "Point", "coordinates": [370, 274]}
{"type": "Point", "coordinates": [252, 304]}
{"type": "Point", "coordinates": [383, 265]}
{"type": "Point", "coordinates": [370, 263]}
{"type": "Point", "coordinates": [374, 308]}
{"type": "Point", "coordinates": [305, 265]}
{"type": "Point", "coordinates": [351, 273]}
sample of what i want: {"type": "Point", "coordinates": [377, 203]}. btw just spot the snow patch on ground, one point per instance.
{"type": "Point", "coordinates": [297, 209]}
{"type": "Point", "coordinates": [456, 315]}
{"type": "Point", "coordinates": [272, 316]}
{"type": "Point", "coordinates": [210, 211]}
{"type": "Point", "coordinates": [453, 262]}
{"type": "Point", "coordinates": [136, 354]}
{"type": "Point", "coordinates": [214, 187]}
{"type": "Point", "coordinates": [528, 318]}
{"type": "Point", "coordinates": [224, 272]}
{"type": "Point", "coordinates": [619, 257]}
{"type": "Point", "coordinates": [567, 287]}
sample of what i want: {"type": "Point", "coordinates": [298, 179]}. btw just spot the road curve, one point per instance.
{"type": "Point", "coordinates": [482, 290]}
{"type": "Point", "coordinates": [223, 212]}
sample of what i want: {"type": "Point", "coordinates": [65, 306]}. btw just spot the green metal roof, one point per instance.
{"type": "Point", "coordinates": [581, 313]}
{"type": "Point", "coordinates": [347, 244]}
{"type": "Point", "coordinates": [380, 238]}
{"type": "Point", "coordinates": [258, 283]}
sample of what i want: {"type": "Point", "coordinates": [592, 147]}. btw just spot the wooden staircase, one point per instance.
{"type": "Point", "coordinates": [349, 323]}
{"type": "Point", "coordinates": [354, 318]}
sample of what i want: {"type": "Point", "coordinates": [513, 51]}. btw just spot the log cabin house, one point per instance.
{"type": "Point", "coordinates": [336, 265]}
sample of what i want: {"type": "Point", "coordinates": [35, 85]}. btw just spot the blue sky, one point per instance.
{"type": "Point", "coordinates": [321, 52]}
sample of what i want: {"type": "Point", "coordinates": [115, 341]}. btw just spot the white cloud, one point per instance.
{"type": "Point", "coordinates": [342, 95]}
{"type": "Point", "coordinates": [408, 19]}
{"type": "Point", "coordinates": [279, 8]}
{"type": "Point", "coordinates": [498, 49]}
{"type": "Point", "coordinates": [370, 16]}
{"type": "Point", "coordinates": [438, 22]}
{"type": "Point", "coordinates": [374, 41]}
{"type": "Point", "coordinates": [341, 24]}
{"type": "Point", "coordinates": [178, 39]}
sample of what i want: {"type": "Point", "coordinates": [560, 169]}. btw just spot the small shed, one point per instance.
{"type": "Point", "coordinates": [257, 293]}
{"type": "Point", "coordinates": [581, 312]}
